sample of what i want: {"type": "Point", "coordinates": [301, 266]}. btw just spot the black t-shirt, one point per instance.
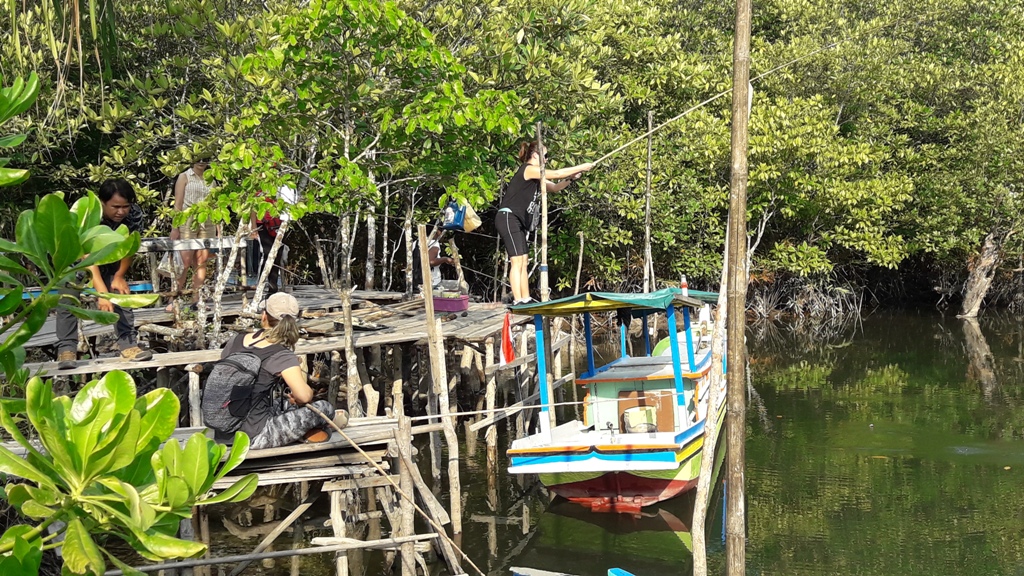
{"type": "Point", "coordinates": [519, 193]}
{"type": "Point", "coordinates": [276, 359]}
{"type": "Point", "coordinates": [134, 221]}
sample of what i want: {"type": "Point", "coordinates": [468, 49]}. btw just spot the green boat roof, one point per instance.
{"type": "Point", "coordinates": [610, 301]}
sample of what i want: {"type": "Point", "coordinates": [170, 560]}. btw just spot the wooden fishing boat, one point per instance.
{"type": "Point", "coordinates": [642, 435]}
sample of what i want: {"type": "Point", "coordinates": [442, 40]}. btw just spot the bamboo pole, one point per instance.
{"type": "Point", "coordinates": [544, 296]}
{"type": "Point", "coordinates": [195, 411]}
{"type": "Point", "coordinates": [491, 435]}
{"type": "Point", "coordinates": [405, 482]}
{"type": "Point", "coordinates": [438, 372]}
{"type": "Point", "coordinates": [735, 538]}
{"type": "Point", "coordinates": [397, 381]}
{"type": "Point", "coordinates": [648, 261]}
{"type": "Point", "coordinates": [338, 527]}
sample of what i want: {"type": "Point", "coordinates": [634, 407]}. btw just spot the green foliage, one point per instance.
{"type": "Point", "coordinates": [108, 470]}
{"type": "Point", "coordinates": [54, 241]}
{"type": "Point", "coordinates": [15, 100]}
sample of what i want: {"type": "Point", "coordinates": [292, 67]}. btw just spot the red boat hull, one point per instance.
{"type": "Point", "coordinates": [621, 492]}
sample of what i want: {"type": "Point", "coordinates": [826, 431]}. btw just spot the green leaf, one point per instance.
{"type": "Point", "coordinates": [240, 490]}
{"type": "Point", "coordinates": [104, 428]}
{"type": "Point", "coordinates": [28, 242]}
{"type": "Point", "coordinates": [12, 177]}
{"type": "Point", "coordinates": [33, 322]}
{"type": "Point", "coordinates": [18, 466]}
{"type": "Point", "coordinates": [34, 509]}
{"type": "Point", "coordinates": [46, 417]}
{"type": "Point", "coordinates": [12, 140]}
{"type": "Point", "coordinates": [10, 301]}
{"type": "Point", "coordinates": [98, 316]}
{"type": "Point", "coordinates": [129, 300]}
{"type": "Point", "coordinates": [8, 265]}
{"type": "Point", "coordinates": [125, 569]}
{"type": "Point", "coordinates": [178, 492]}
{"type": "Point", "coordinates": [25, 556]}
{"type": "Point", "coordinates": [81, 555]}
{"type": "Point", "coordinates": [104, 246]}
{"type": "Point", "coordinates": [55, 228]}
{"type": "Point", "coordinates": [165, 546]}
{"type": "Point", "coordinates": [159, 409]}
{"type": "Point", "coordinates": [197, 454]}
{"type": "Point", "coordinates": [239, 448]}
{"type": "Point", "coordinates": [88, 211]}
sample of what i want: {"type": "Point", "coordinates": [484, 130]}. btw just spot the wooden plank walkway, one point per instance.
{"type": "Point", "coordinates": [311, 298]}
{"type": "Point", "coordinates": [480, 322]}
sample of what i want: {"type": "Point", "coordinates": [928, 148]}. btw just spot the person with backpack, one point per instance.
{"type": "Point", "coordinates": [242, 391]}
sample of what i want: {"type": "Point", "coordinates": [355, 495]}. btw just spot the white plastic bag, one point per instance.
{"type": "Point", "coordinates": [169, 268]}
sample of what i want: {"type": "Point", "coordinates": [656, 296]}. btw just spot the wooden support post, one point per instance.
{"type": "Point", "coordinates": [372, 396]}
{"type": "Point", "coordinates": [491, 436]}
{"type": "Point", "coordinates": [438, 370]}
{"type": "Point", "coordinates": [334, 388]}
{"type": "Point", "coordinates": [195, 396]}
{"type": "Point", "coordinates": [435, 437]}
{"type": "Point", "coordinates": [397, 381]}
{"type": "Point", "coordinates": [353, 382]}
{"type": "Point", "coordinates": [338, 526]}
{"type": "Point", "coordinates": [408, 551]}
{"type": "Point", "coordinates": [163, 377]}
{"type": "Point", "coordinates": [154, 273]}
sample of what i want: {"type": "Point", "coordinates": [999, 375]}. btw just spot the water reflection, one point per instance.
{"type": "Point", "coordinates": [896, 449]}
{"type": "Point", "coordinates": [889, 446]}
{"type": "Point", "coordinates": [570, 539]}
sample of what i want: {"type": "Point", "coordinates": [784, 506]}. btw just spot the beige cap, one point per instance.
{"type": "Point", "coordinates": [282, 304]}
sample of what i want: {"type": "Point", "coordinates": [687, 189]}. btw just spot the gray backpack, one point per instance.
{"type": "Point", "coordinates": [233, 388]}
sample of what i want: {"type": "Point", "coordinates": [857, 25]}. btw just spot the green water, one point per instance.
{"type": "Point", "coordinates": [877, 448]}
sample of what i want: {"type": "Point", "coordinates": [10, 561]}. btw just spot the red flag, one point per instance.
{"type": "Point", "coordinates": [508, 349]}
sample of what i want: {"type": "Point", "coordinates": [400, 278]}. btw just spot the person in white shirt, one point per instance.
{"type": "Point", "coordinates": [266, 229]}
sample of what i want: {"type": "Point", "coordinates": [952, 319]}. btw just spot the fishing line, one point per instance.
{"type": "Point", "coordinates": [752, 80]}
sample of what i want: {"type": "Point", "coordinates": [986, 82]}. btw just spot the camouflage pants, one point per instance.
{"type": "Point", "coordinates": [290, 425]}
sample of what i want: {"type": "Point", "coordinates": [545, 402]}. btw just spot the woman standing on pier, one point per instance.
{"type": "Point", "coordinates": [271, 423]}
{"type": "Point", "coordinates": [189, 189]}
{"type": "Point", "coordinates": [514, 213]}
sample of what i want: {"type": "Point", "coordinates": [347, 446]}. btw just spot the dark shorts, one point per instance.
{"type": "Point", "coordinates": [512, 232]}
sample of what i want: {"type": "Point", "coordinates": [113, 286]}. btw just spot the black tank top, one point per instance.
{"type": "Point", "coordinates": [519, 193]}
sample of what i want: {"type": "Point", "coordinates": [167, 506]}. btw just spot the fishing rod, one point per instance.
{"type": "Point", "coordinates": [752, 80]}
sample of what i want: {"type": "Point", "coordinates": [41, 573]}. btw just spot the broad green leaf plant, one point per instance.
{"type": "Point", "coordinates": [104, 467]}
{"type": "Point", "coordinates": [107, 471]}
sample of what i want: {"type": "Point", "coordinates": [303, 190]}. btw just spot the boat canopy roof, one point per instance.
{"type": "Point", "coordinates": [610, 301]}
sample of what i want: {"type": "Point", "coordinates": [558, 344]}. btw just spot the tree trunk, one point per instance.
{"type": "Point", "coordinates": [271, 258]}
{"type": "Point", "coordinates": [982, 364]}
{"type": "Point", "coordinates": [981, 272]}
{"type": "Point", "coordinates": [408, 251]}
{"type": "Point", "coordinates": [371, 248]}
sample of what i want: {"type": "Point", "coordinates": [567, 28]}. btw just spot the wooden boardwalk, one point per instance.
{"type": "Point", "coordinates": [311, 298]}
{"type": "Point", "coordinates": [376, 325]}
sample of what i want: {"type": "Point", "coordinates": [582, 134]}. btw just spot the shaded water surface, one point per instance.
{"type": "Point", "coordinates": [893, 446]}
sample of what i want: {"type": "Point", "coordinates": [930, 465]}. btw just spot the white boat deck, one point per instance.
{"type": "Point", "coordinates": [573, 434]}
{"type": "Point", "coordinates": [643, 368]}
